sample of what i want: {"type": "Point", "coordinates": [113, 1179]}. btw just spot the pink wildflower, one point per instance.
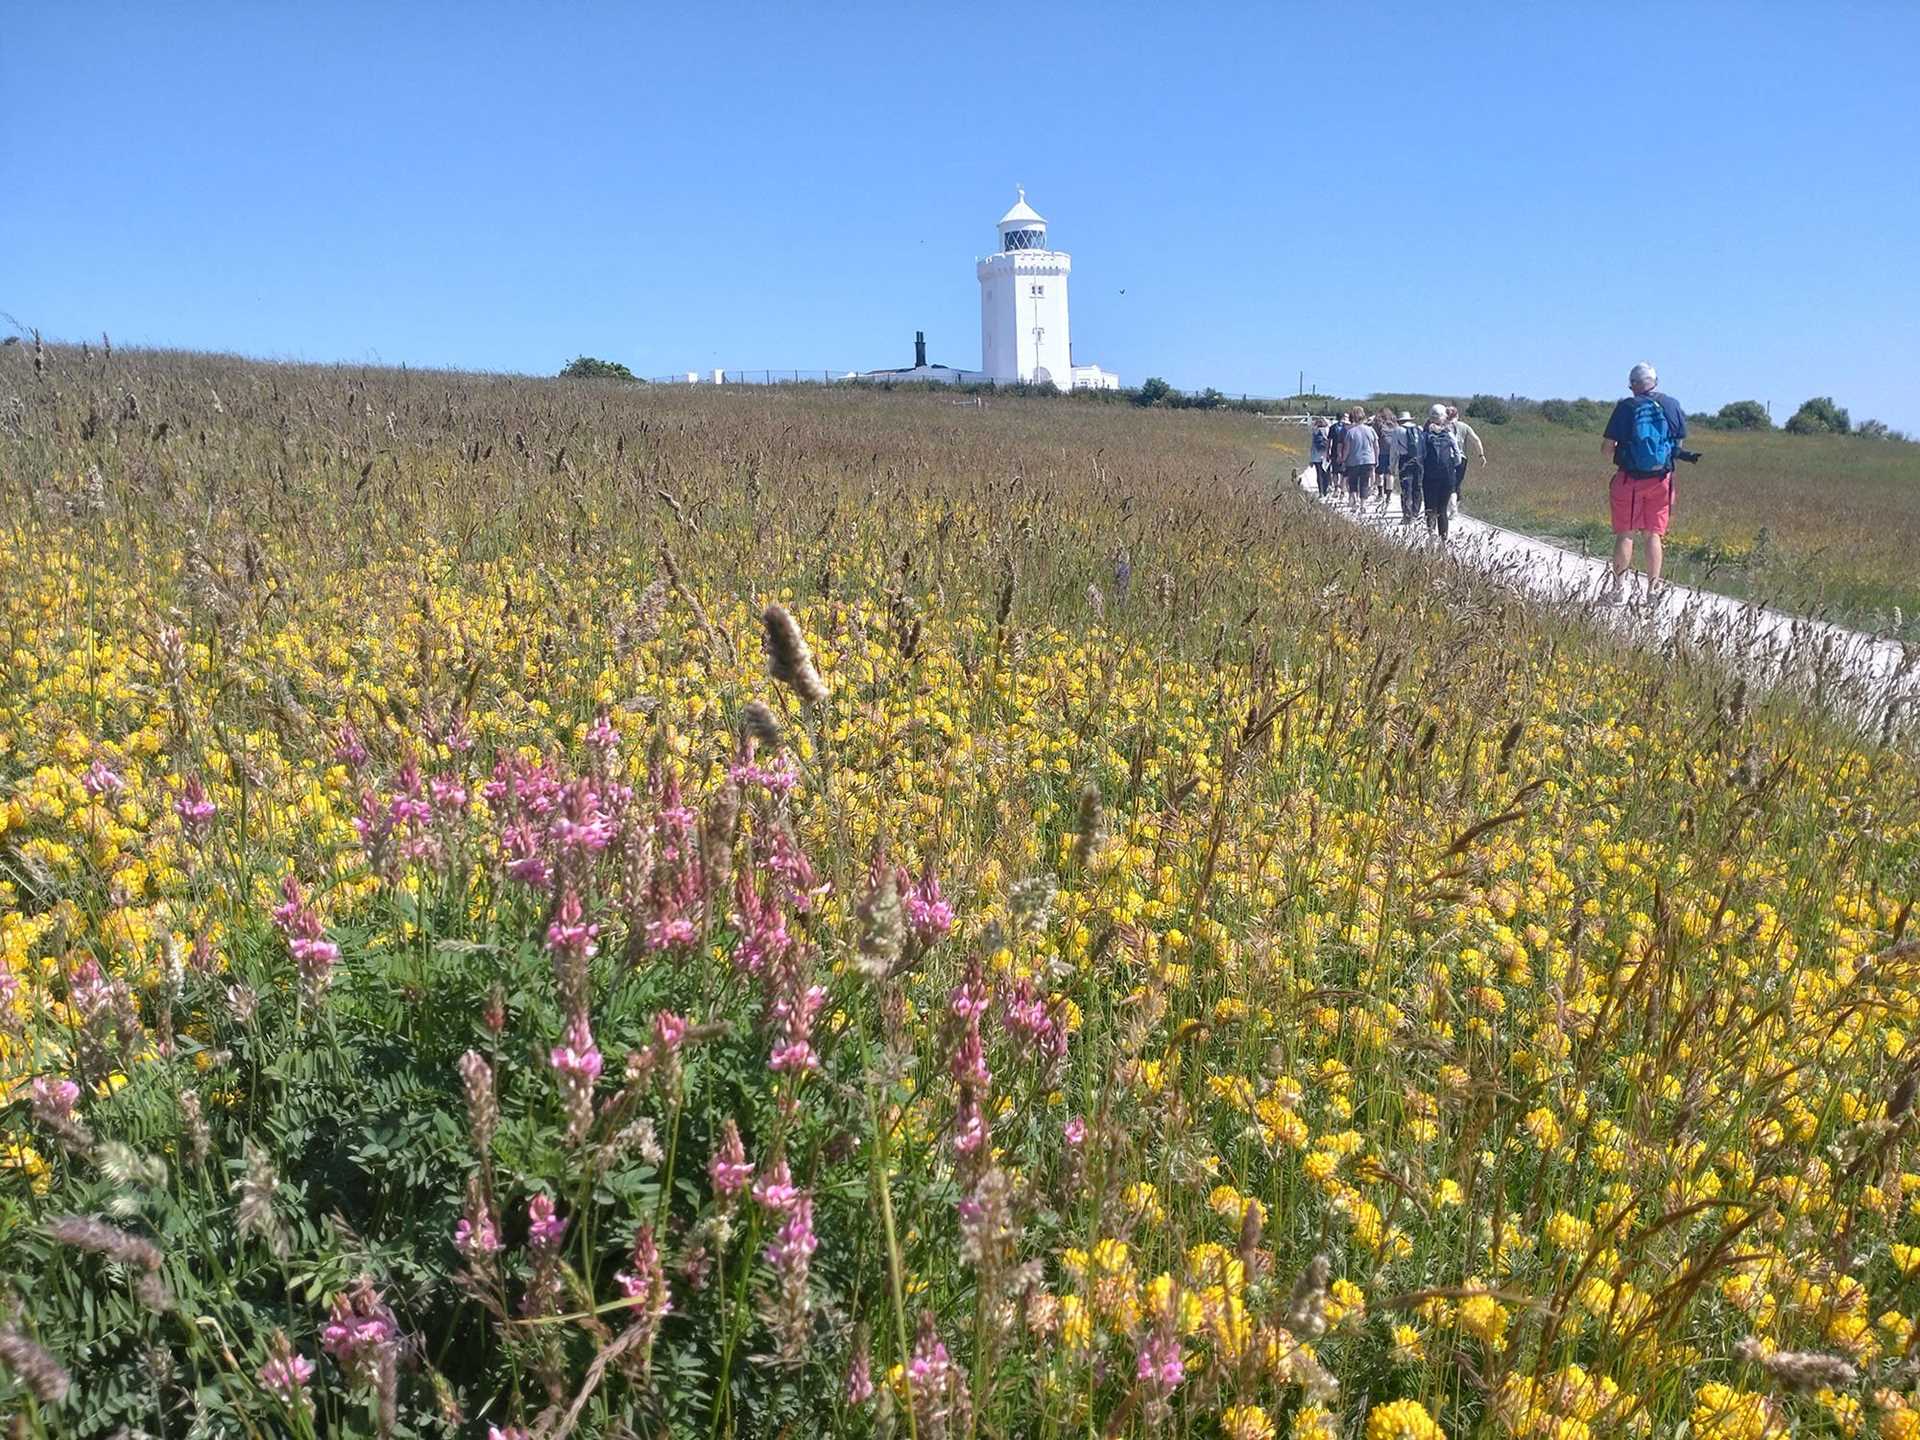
{"type": "Point", "coordinates": [448, 794]}
{"type": "Point", "coordinates": [928, 915]}
{"type": "Point", "coordinates": [286, 1372]}
{"type": "Point", "coordinates": [53, 1100]}
{"type": "Point", "coordinates": [361, 1331]}
{"type": "Point", "coordinates": [347, 747]}
{"type": "Point", "coordinates": [545, 1229]}
{"type": "Point", "coordinates": [728, 1169]}
{"type": "Point", "coordinates": [775, 1190]}
{"type": "Point", "coordinates": [195, 810]}
{"type": "Point", "coordinates": [578, 1062]}
{"type": "Point", "coordinates": [101, 779]}
{"type": "Point", "coordinates": [570, 931]}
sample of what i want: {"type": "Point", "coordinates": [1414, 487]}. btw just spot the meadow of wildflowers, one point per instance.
{"type": "Point", "coordinates": [532, 909]}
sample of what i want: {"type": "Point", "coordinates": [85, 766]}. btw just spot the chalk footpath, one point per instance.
{"type": "Point", "coordinates": [1877, 680]}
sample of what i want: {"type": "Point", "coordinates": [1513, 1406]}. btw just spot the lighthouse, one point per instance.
{"type": "Point", "coordinates": [1023, 309]}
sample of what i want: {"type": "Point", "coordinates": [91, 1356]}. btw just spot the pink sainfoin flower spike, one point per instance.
{"type": "Point", "coordinates": [101, 779]}
{"type": "Point", "coordinates": [774, 1190]}
{"type": "Point", "coordinates": [968, 1062]}
{"type": "Point", "coordinates": [601, 735]}
{"type": "Point", "coordinates": [544, 1228]}
{"type": "Point", "coordinates": [571, 933]}
{"type": "Point", "coordinates": [448, 795]}
{"type": "Point", "coordinates": [286, 1372]}
{"type": "Point", "coordinates": [646, 1283]}
{"type": "Point", "coordinates": [195, 810]}
{"type": "Point", "coordinates": [360, 1332]}
{"type": "Point", "coordinates": [1075, 1131]}
{"type": "Point", "coordinates": [859, 1375]}
{"type": "Point", "coordinates": [728, 1169]}
{"type": "Point", "coordinates": [313, 954]}
{"type": "Point", "coordinates": [928, 915]}
{"type": "Point", "coordinates": [790, 1255]}
{"type": "Point", "coordinates": [578, 1063]}
{"type": "Point", "coordinates": [582, 827]}
{"type": "Point", "coordinates": [524, 850]}
{"type": "Point", "coordinates": [347, 746]}
{"type": "Point", "coordinates": [53, 1100]}
{"type": "Point", "coordinates": [476, 1236]}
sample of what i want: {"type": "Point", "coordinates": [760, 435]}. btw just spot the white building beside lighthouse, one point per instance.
{"type": "Point", "coordinates": [1024, 336]}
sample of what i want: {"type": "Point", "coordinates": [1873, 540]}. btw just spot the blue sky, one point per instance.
{"type": "Point", "coordinates": [1442, 197]}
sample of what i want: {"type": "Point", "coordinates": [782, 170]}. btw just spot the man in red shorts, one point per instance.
{"type": "Point", "coordinates": [1642, 436]}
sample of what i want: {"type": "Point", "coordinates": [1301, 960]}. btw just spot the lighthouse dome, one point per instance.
{"type": "Point", "coordinates": [1023, 227]}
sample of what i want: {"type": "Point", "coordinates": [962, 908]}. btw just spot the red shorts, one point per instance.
{"type": "Point", "coordinates": [1640, 504]}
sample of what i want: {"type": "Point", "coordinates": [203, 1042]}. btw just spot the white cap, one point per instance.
{"type": "Point", "coordinates": [1642, 377]}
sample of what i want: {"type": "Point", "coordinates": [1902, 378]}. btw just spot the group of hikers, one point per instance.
{"type": "Point", "coordinates": [1359, 461]}
{"type": "Point", "coordinates": [1356, 458]}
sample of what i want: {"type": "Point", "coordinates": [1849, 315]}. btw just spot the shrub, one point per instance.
{"type": "Point", "coordinates": [1819, 416]}
{"type": "Point", "coordinates": [1490, 408]}
{"type": "Point", "coordinates": [586, 367]}
{"type": "Point", "coordinates": [1743, 415]}
{"type": "Point", "coordinates": [1152, 391]}
{"type": "Point", "coordinates": [1576, 414]}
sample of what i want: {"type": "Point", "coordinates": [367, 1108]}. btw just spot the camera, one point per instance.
{"type": "Point", "coordinates": [1692, 457]}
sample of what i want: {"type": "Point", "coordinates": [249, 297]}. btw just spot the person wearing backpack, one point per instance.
{"type": "Point", "coordinates": [1439, 469]}
{"type": "Point", "coordinates": [1642, 436]}
{"type": "Point", "coordinates": [1337, 444]}
{"type": "Point", "coordinates": [1319, 455]}
{"type": "Point", "coordinates": [1411, 497]}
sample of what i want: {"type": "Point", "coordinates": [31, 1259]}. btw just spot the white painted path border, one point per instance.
{"type": "Point", "coordinates": [1874, 679]}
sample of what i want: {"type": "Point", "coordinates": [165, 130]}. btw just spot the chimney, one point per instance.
{"type": "Point", "coordinates": [919, 349]}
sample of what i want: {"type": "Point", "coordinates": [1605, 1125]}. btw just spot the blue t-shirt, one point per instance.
{"type": "Point", "coordinates": [1620, 423]}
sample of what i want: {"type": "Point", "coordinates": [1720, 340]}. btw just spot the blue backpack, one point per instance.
{"type": "Point", "coordinates": [1649, 446]}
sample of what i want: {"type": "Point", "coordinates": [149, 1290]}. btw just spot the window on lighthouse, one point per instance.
{"type": "Point", "coordinates": [1038, 292]}
{"type": "Point", "coordinates": [1026, 239]}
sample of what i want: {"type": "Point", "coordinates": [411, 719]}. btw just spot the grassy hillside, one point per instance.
{"type": "Point", "coordinates": [1817, 525]}
{"type": "Point", "coordinates": [563, 908]}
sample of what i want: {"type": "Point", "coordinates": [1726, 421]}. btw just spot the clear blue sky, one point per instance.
{"type": "Point", "coordinates": [1451, 197]}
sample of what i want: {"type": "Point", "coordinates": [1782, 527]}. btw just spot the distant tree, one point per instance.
{"type": "Point", "coordinates": [1153, 391]}
{"type": "Point", "coordinates": [1819, 416]}
{"type": "Point", "coordinates": [585, 367]}
{"type": "Point", "coordinates": [1207, 399]}
{"type": "Point", "coordinates": [1743, 415]}
{"type": "Point", "coordinates": [1873, 430]}
{"type": "Point", "coordinates": [1576, 414]}
{"type": "Point", "coordinates": [1490, 408]}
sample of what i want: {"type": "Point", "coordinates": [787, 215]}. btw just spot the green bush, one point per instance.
{"type": "Point", "coordinates": [1490, 408]}
{"type": "Point", "coordinates": [1819, 416]}
{"type": "Point", "coordinates": [1153, 391]}
{"type": "Point", "coordinates": [586, 367]}
{"type": "Point", "coordinates": [1743, 415]}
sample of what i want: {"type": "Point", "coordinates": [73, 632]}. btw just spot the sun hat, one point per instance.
{"type": "Point", "coordinates": [1404, 415]}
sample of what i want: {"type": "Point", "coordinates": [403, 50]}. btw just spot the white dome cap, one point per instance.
{"type": "Point", "coordinates": [1022, 216]}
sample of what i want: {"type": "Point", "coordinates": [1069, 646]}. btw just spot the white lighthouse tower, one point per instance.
{"type": "Point", "coordinates": [1023, 309]}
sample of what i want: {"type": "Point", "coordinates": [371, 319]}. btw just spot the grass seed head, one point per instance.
{"type": "Point", "coordinates": [789, 660]}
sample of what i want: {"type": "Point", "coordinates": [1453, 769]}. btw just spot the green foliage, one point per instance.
{"type": "Point", "coordinates": [586, 367]}
{"type": "Point", "coordinates": [1580, 414]}
{"type": "Point", "coordinates": [1152, 391]}
{"type": "Point", "coordinates": [1743, 415]}
{"type": "Point", "coordinates": [1819, 416]}
{"type": "Point", "coordinates": [1490, 408]}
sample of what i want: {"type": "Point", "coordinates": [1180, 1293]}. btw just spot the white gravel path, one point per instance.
{"type": "Point", "coordinates": [1875, 680]}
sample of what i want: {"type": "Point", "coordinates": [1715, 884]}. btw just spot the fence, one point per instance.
{"type": "Point", "coordinates": [754, 377]}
